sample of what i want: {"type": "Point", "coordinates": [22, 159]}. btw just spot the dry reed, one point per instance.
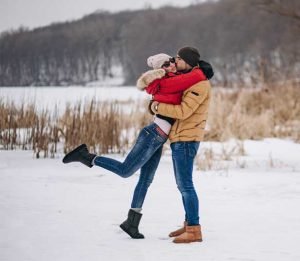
{"type": "Point", "coordinates": [111, 127]}
{"type": "Point", "coordinates": [255, 114]}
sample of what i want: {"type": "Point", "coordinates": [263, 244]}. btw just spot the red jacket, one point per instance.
{"type": "Point", "coordinates": [170, 88]}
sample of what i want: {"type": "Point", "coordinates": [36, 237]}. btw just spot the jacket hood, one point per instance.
{"type": "Point", "coordinates": [146, 78]}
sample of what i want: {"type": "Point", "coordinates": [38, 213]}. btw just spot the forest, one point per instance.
{"type": "Point", "coordinates": [249, 43]}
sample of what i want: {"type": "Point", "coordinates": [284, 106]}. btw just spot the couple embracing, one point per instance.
{"type": "Point", "coordinates": [180, 90]}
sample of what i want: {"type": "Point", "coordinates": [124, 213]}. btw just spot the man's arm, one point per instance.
{"type": "Point", "coordinates": [191, 100]}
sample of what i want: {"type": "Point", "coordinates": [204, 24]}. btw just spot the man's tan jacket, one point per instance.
{"type": "Point", "coordinates": [191, 115]}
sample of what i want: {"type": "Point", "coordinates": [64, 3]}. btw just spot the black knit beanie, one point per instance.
{"type": "Point", "coordinates": [190, 55]}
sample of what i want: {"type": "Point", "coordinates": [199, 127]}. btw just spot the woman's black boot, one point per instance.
{"type": "Point", "coordinates": [80, 154]}
{"type": "Point", "coordinates": [131, 224]}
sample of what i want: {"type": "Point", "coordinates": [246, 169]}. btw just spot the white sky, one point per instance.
{"type": "Point", "coordinates": [34, 13]}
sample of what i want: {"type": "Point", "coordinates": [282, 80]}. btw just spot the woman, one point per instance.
{"type": "Point", "coordinates": [147, 150]}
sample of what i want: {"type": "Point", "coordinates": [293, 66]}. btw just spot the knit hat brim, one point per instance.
{"type": "Point", "coordinates": [190, 55]}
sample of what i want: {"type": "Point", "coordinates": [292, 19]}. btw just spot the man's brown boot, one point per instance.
{"type": "Point", "coordinates": [179, 231]}
{"type": "Point", "coordinates": [191, 234]}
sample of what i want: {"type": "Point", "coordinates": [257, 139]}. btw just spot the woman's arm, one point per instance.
{"type": "Point", "coordinates": [148, 77]}
{"type": "Point", "coordinates": [181, 82]}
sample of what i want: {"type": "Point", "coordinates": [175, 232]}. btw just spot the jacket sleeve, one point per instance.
{"type": "Point", "coordinates": [153, 87]}
{"type": "Point", "coordinates": [181, 82]}
{"type": "Point", "coordinates": [191, 100]}
{"type": "Point", "coordinates": [146, 78]}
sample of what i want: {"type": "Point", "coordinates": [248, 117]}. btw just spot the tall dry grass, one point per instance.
{"type": "Point", "coordinates": [98, 125]}
{"type": "Point", "coordinates": [106, 127]}
{"type": "Point", "coordinates": [255, 114]}
{"type": "Point", "coordinates": [111, 127]}
{"type": "Point", "coordinates": [23, 127]}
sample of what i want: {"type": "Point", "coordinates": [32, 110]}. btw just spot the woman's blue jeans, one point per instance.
{"type": "Point", "coordinates": [144, 155]}
{"type": "Point", "coordinates": [183, 155]}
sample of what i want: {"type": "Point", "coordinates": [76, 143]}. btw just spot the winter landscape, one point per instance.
{"type": "Point", "coordinates": [68, 75]}
{"type": "Point", "coordinates": [249, 204]}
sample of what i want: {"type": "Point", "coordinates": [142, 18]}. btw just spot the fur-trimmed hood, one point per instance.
{"type": "Point", "coordinates": [146, 78]}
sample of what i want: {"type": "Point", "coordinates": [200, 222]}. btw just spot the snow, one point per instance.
{"type": "Point", "coordinates": [51, 211]}
{"type": "Point", "coordinates": [51, 97]}
{"type": "Point", "coordinates": [249, 206]}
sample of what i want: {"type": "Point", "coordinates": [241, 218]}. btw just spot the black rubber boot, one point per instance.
{"type": "Point", "coordinates": [131, 224]}
{"type": "Point", "coordinates": [80, 154]}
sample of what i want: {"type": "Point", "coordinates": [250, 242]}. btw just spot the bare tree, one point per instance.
{"type": "Point", "coordinates": [244, 43]}
{"type": "Point", "coordinates": [288, 8]}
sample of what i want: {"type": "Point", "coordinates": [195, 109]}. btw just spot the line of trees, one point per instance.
{"type": "Point", "coordinates": [244, 43]}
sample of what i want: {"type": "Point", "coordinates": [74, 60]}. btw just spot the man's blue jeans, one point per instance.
{"type": "Point", "coordinates": [144, 155]}
{"type": "Point", "coordinates": [183, 155]}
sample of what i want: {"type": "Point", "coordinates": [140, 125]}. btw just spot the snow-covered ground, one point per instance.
{"type": "Point", "coordinates": [51, 211]}
{"type": "Point", "coordinates": [59, 97]}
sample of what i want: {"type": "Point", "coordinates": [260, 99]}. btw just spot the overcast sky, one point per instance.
{"type": "Point", "coordinates": [34, 13]}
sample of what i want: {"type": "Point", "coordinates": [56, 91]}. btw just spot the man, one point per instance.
{"type": "Point", "coordinates": [185, 137]}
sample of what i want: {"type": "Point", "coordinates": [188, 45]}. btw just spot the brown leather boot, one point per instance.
{"type": "Point", "coordinates": [179, 231]}
{"type": "Point", "coordinates": [191, 234]}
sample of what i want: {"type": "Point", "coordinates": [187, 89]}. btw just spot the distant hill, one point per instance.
{"type": "Point", "coordinates": [245, 43]}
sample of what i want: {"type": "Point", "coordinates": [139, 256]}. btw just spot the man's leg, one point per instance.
{"type": "Point", "coordinates": [183, 154]}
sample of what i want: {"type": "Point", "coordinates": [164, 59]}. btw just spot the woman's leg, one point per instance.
{"type": "Point", "coordinates": [131, 224]}
{"type": "Point", "coordinates": [146, 177]}
{"type": "Point", "coordinates": [147, 143]}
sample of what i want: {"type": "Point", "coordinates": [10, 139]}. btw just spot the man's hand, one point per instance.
{"type": "Point", "coordinates": [153, 107]}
